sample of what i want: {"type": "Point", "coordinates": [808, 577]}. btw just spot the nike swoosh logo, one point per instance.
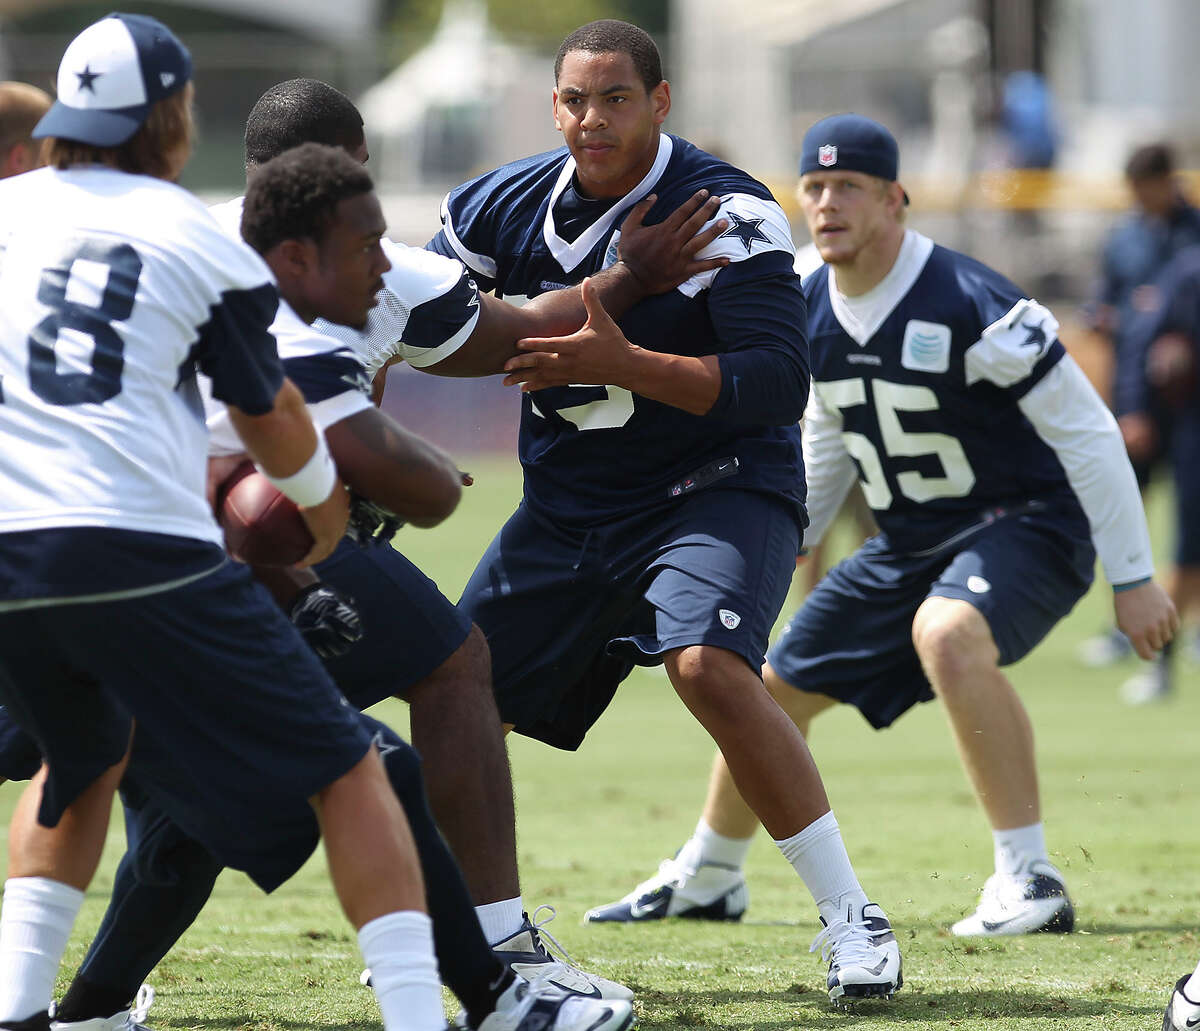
{"type": "Point", "coordinates": [990, 925]}
{"type": "Point", "coordinates": [568, 982]}
{"type": "Point", "coordinates": [652, 908]}
{"type": "Point", "coordinates": [1192, 1022]}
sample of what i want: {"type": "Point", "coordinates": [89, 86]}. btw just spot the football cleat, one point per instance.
{"type": "Point", "coordinates": [538, 1006]}
{"type": "Point", "coordinates": [526, 954]}
{"type": "Point", "coordinates": [132, 1019]}
{"type": "Point", "coordinates": [1104, 650]}
{"type": "Point", "coordinates": [1035, 900]}
{"type": "Point", "coordinates": [863, 955]}
{"type": "Point", "coordinates": [1182, 1014]}
{"type": "Point", "coordinates": [1150, 686]}
{"type": "Point", "coordinates": [713, 892]}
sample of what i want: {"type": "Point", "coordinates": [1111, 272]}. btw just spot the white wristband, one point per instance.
{"type": "Point", "coordinates": [313, 482]}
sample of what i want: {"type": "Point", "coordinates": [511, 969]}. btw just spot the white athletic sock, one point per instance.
{"type": "Point", "coordinates": [1192, 988]}
{"type": "Point", "coordinates": [818, 855]}
{"type": "Point", "coordinates": [35, 923]}
{"type": "Point", "coordinates": [501, 920]}
{"type": "Point", "coordinates": [707, 846]}
{"type": "Point", "coordinates": [1017, 847]}
{"type": "Point", "coordinates": [398, 950]}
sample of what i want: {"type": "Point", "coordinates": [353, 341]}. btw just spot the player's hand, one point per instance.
{"type": "Point", "coordinates": [370, 522]}
{"type": "Point", "coordinates": [1140, 436]}
{"type": "Point", "coordinates": [327, 620]}
{"type": "Point", "coordinates": [327, 523]}
{"type": "Point", "coordinates": [663, 256]}
{"type": "Point", "coordinates": [598, 354]}
{"type": "Point", "coordinates": [219, 469]}
{"type": "Point", "coordinates": [1147, 616]}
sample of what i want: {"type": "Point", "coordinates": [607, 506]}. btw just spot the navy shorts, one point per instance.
{"type": "Point", "coordinates": [568, 614]}
{"type": "Point", "coordinates": [852, 637]}
{"type": "Point", "coordinates": [239, 720]}
{"type": "Point", "coordinates": [409, 627]}
{"type": "Point", "coordinates": [1185, 465]}
{"type": "Point", "coordinates": [269, 861]}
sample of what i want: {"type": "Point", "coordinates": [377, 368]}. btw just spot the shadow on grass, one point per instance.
{"type": "Point", "coordinates": [711, 1009]}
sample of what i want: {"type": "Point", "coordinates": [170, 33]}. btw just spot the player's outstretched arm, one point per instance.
{"type": "Point", "coordinates": [653, 259]}
{"type": "Point", "coordinates": [1147, 616]}
{"type": "Point", "coordinates": [292, 453]}
{"type": "Point", "coordinates": [601, 353]}
{"type": "Point", "coordinates": [381, 460]}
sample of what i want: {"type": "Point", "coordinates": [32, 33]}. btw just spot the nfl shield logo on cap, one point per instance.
{"type": "Point", "coordinates": [827, 155]}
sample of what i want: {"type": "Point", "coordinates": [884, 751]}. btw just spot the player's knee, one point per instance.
{"type": "Point", "coordinates": [952, 641]}
{"type": "Point", "coordinates": [706, 678]}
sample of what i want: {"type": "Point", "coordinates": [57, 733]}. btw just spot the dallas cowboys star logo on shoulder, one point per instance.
{"type": "Point", "coordinates": [746, 229]}
{"type": "Point", "coordinates": [87, 79]}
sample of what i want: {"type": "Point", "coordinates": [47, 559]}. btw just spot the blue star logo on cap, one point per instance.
{"type": "Point", "coordinates": [87, 79]}
{"type": "Point", "coordinates": [746, 229]}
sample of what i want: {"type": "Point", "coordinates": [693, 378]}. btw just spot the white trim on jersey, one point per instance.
{"type": "Point", "coordinates": [569, 255]}
{"type": "Point", "coordinates": [862, 316]}
{"type": "Point", "coordinates": [767, 217]}
{"type": "Point", "coordinates": [424, 357]}
{"type": "Point", "coordinates": [1068, 414]}
{"type": "Point", "coordinates": [480, 263]}
{"type": "Point", "coordinates": [828, 467]}
{"type": "Point", "coordinates": [295, 339]}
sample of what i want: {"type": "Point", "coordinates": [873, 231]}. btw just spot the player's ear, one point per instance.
{"type": "Point", "coordinates": [554, 110]}
{"type": "Point", "coordinates": [660, 97]}
{"type": "Point", "coordinates": [293, 258]}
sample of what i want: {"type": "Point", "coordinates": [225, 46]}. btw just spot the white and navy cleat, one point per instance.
{"type": "Point", "coordinates": [526, 954]}
{"type": "Point", "coordinates": [1032, 901]}
{"type": "Point", "coordinates": [712, 892]}
{"type": "Point", "coordinates": [1182, 1014]}
{"type": "Point", "coordinates": [863, 956]}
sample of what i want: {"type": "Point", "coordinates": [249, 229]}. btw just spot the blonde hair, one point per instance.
{"type": "Point", "coordinates": [149, 151]}
{"type": "Point", "coordinates": [21, 108]}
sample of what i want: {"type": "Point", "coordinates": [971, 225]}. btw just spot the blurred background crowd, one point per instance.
{"type": "Point", "coordinates": [1052, 139]}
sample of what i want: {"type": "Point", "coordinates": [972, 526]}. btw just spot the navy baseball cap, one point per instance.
{"type": "Point", "coordinates": [852, 143]}
{"type": "Point", "coordinates": [112, 73]}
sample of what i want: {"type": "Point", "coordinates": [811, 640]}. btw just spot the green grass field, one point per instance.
{"type": "Point", "coordinates": [1122, 811]}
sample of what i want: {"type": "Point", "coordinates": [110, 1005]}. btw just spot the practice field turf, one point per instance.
{"type": "Point", "coordinates": [1121, 805]}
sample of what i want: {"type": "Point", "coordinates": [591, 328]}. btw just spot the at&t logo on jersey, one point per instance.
{"type": "Point", "coordinates": [926, 346]}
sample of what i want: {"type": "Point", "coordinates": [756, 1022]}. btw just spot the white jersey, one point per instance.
{"type": "Point", "coordinates": [428, 307]}
{"type": "Point", "coordinates": [329, 375]}
{"type": "Point", "coordinates": [112, 288]}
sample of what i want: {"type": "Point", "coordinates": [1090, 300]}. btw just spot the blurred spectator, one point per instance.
{"type": "Point", "coordinates": [1028, 117]}
{"type": "Point", "coordinates": [21, 108]}
{"type": "Point", "coordinates": [1162, 343]}
{"type": "Point", "coordinates": [1161, 224]}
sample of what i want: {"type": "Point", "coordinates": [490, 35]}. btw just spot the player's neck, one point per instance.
{"type": "Point", "coordinates": [870, 265]}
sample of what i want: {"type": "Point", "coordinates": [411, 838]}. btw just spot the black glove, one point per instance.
{"type": "Point", "coordinates": [370, 522]}
{"type": "Point", "coordinates": [327, 620]}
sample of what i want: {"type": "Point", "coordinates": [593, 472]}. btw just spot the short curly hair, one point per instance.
{"type": "Point", "coordinates": [300, 111]}
{"type": "Point", "coordinates": [609, 36]}
{"type": "Point", "coordinates": [295, 195]}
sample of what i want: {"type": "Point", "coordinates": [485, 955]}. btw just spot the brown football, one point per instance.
{"type": "Point", "coordinates": [262, 526]}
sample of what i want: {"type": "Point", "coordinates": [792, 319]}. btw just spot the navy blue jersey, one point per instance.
{"type": "Point", "coordinates": [595, 453]}
{"type": "Point", "coordinates": [928, 389]}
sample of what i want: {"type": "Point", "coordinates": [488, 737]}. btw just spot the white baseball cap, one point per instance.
{"type": "Point", "coordinates": [112, 73]}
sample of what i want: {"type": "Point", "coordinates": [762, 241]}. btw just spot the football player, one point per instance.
{"type": "Point", "coordinates": [663, 506]}
{"type": "Point", "coordinates": [995, 473]}
{"type": "Point", "coordinates": [115, 285]}
{"type": "Point", "coordinates": [21, 108]}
